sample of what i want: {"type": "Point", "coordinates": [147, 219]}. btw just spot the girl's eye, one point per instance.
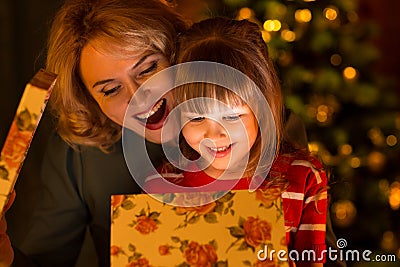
{"type": "Point", "coordinates": [149, 69]}
{"type": "Point", "coordinates": [232, 117]}
{"type": "Point", "coordinates": [111, 91]}
{"type": "Point", "coordinates": [197, 119]}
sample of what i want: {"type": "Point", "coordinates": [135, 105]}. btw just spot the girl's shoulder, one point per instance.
{"type": "Point", "coordinates": [298, 165]}
{"type": "Point", "coordinates": [296, 158]}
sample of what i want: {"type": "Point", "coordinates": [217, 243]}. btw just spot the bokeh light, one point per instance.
{"type": "Point", "coordinates": [272, 25]}
{"type": "Point", "coordinates": [350, 73]}
{"type": "Point", "coordinates": [303, 15]}
{"type": "Point", "coordinates": [331, 13]}
{"type": "Point", "coordinates": [344, 212]}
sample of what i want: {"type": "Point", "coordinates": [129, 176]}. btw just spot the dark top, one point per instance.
{"type": "Point", "coordinates": [75, 193]}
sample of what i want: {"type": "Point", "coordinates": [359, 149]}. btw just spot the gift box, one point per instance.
{"type": "Point", "coordinates": [234, 228]}
{"type": "Point", "coordinates": [22, 130]}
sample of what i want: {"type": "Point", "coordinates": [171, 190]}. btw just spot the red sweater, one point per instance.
{"type": "Point", "coordinates": [304, 201]}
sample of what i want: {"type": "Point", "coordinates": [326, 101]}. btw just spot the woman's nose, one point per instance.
{"type": "Point", "coordinates": [138, 96]}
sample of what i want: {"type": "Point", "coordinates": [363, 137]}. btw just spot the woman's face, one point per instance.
{"type": "Point", "coordinates": [112, 82]}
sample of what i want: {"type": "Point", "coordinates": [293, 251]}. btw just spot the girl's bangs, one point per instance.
{"type": "Point", "coordinates": [206, 97]}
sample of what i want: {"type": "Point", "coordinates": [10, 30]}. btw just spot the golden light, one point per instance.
{"type": "Point", "coordinates": [394, 195]}
{"type": "Point", "coordinates": [322, 116]}
{"type": "Point", "coordinates": [266, 36]}
{"type": "Point", "coordinates": [303, 15]}
{"type": "Point", "coordinates": [313, 147]}
{"type": "Point", "coordinates": [376, 160]}
{"type": "Point", "coordinates": [288, 36]}
{"type": "Point", "coordinates": [326, 157]}
{"type": "Point", "coordinates": [311, 111]}
{"type": "Point", "coordinates": [391, 140]}
{"type": "Point", "coordinates": [350, 73]}
{"type": "Point", "coordinates": [272, 25]}
{"type": "Point", "coordinates": [330, 13]}
{"type": "Point", "coordinates": [344, 212]}
{"type": "Point", "coordinates": [388, 241]}
{"type": "Point", "coordinates": [376, 136]}
{"type": "Point", "coordinates": [355, 162]}
{"type": "Point", "coordinates": [245, 13]}
{"type": "Point", "coordinates": [345, 149]}
{"type": "Point", "coordinates": [336, 59]}
{"type": "Point", "coordinates": [322, 113]}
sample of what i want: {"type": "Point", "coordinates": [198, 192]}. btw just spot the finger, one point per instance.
{"type": "Point", "coordinates": [10, 201]}
{"type": "Point", "coordinates": [6, 251]}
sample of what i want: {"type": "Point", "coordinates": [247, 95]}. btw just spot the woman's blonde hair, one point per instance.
{"type": "Point", "coordinates": [133, 26]}
{"type": "Point", "coordinates": [239, 45]}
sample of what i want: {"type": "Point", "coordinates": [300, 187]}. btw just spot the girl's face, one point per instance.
{"type": "Point", "coordinates": [222, 138]}
{"type": "Point", "coordinates": [112, 82]}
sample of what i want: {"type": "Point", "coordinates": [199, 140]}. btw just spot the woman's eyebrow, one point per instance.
{"type": "Point", "coordinates": [134, 67]}
{"type": "Point", "coordinates": [141, 61]}
{"type": "Point", "coordinates": [101, 82]}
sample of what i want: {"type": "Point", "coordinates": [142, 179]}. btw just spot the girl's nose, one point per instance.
{"type": "Point", "coordinates": [214, 129]}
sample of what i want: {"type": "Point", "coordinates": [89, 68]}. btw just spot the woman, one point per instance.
{"type": "Point", "coordinates": [102, 52]}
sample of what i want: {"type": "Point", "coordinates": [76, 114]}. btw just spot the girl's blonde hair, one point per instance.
{"type": "Point", "coordinates": [132, 26]}
{"type": "Point", "coordinates": [239, 45]}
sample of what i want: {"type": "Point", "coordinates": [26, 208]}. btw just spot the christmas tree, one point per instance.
{"type": "Point", "coordinates": [325, 58]}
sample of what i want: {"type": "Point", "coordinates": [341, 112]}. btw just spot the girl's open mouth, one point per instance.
{"type": "Point", "coordinates": [155, 117]}
{"type": "Point", "coordinates": [220, 152]}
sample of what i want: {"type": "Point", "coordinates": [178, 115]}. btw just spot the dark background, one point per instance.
{"type": "Point", "coordinates": [24, 25]}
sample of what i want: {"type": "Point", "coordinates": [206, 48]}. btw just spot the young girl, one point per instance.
{"type": "Point", "coordinates": [223, 128]}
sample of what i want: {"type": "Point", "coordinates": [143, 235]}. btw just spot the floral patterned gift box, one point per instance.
{"type": "Point", "coordinates": [22, 130]}
{"type": "Point", "coordinates": [235, 228]}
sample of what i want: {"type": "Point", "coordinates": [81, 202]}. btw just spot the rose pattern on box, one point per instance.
{"type": "Point", "coordinates": [228, 231]}
{"type": "Point", "coordinates": [14, 148]}
{"type": "Point", "coordinates": [27, 116]}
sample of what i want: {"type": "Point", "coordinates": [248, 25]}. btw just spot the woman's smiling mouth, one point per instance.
{"type": "Point", "coordinates": [155, 117]}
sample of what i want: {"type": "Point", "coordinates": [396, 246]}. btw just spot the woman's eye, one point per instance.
{"type": "Point", "coordinates": [149, 69]}
{"type": "Point", "coordinates": [197, 119]}
{"type": "Point", "coordinates": [109, 92]}
{"type": "Point", "coordinates": [232, 117]}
